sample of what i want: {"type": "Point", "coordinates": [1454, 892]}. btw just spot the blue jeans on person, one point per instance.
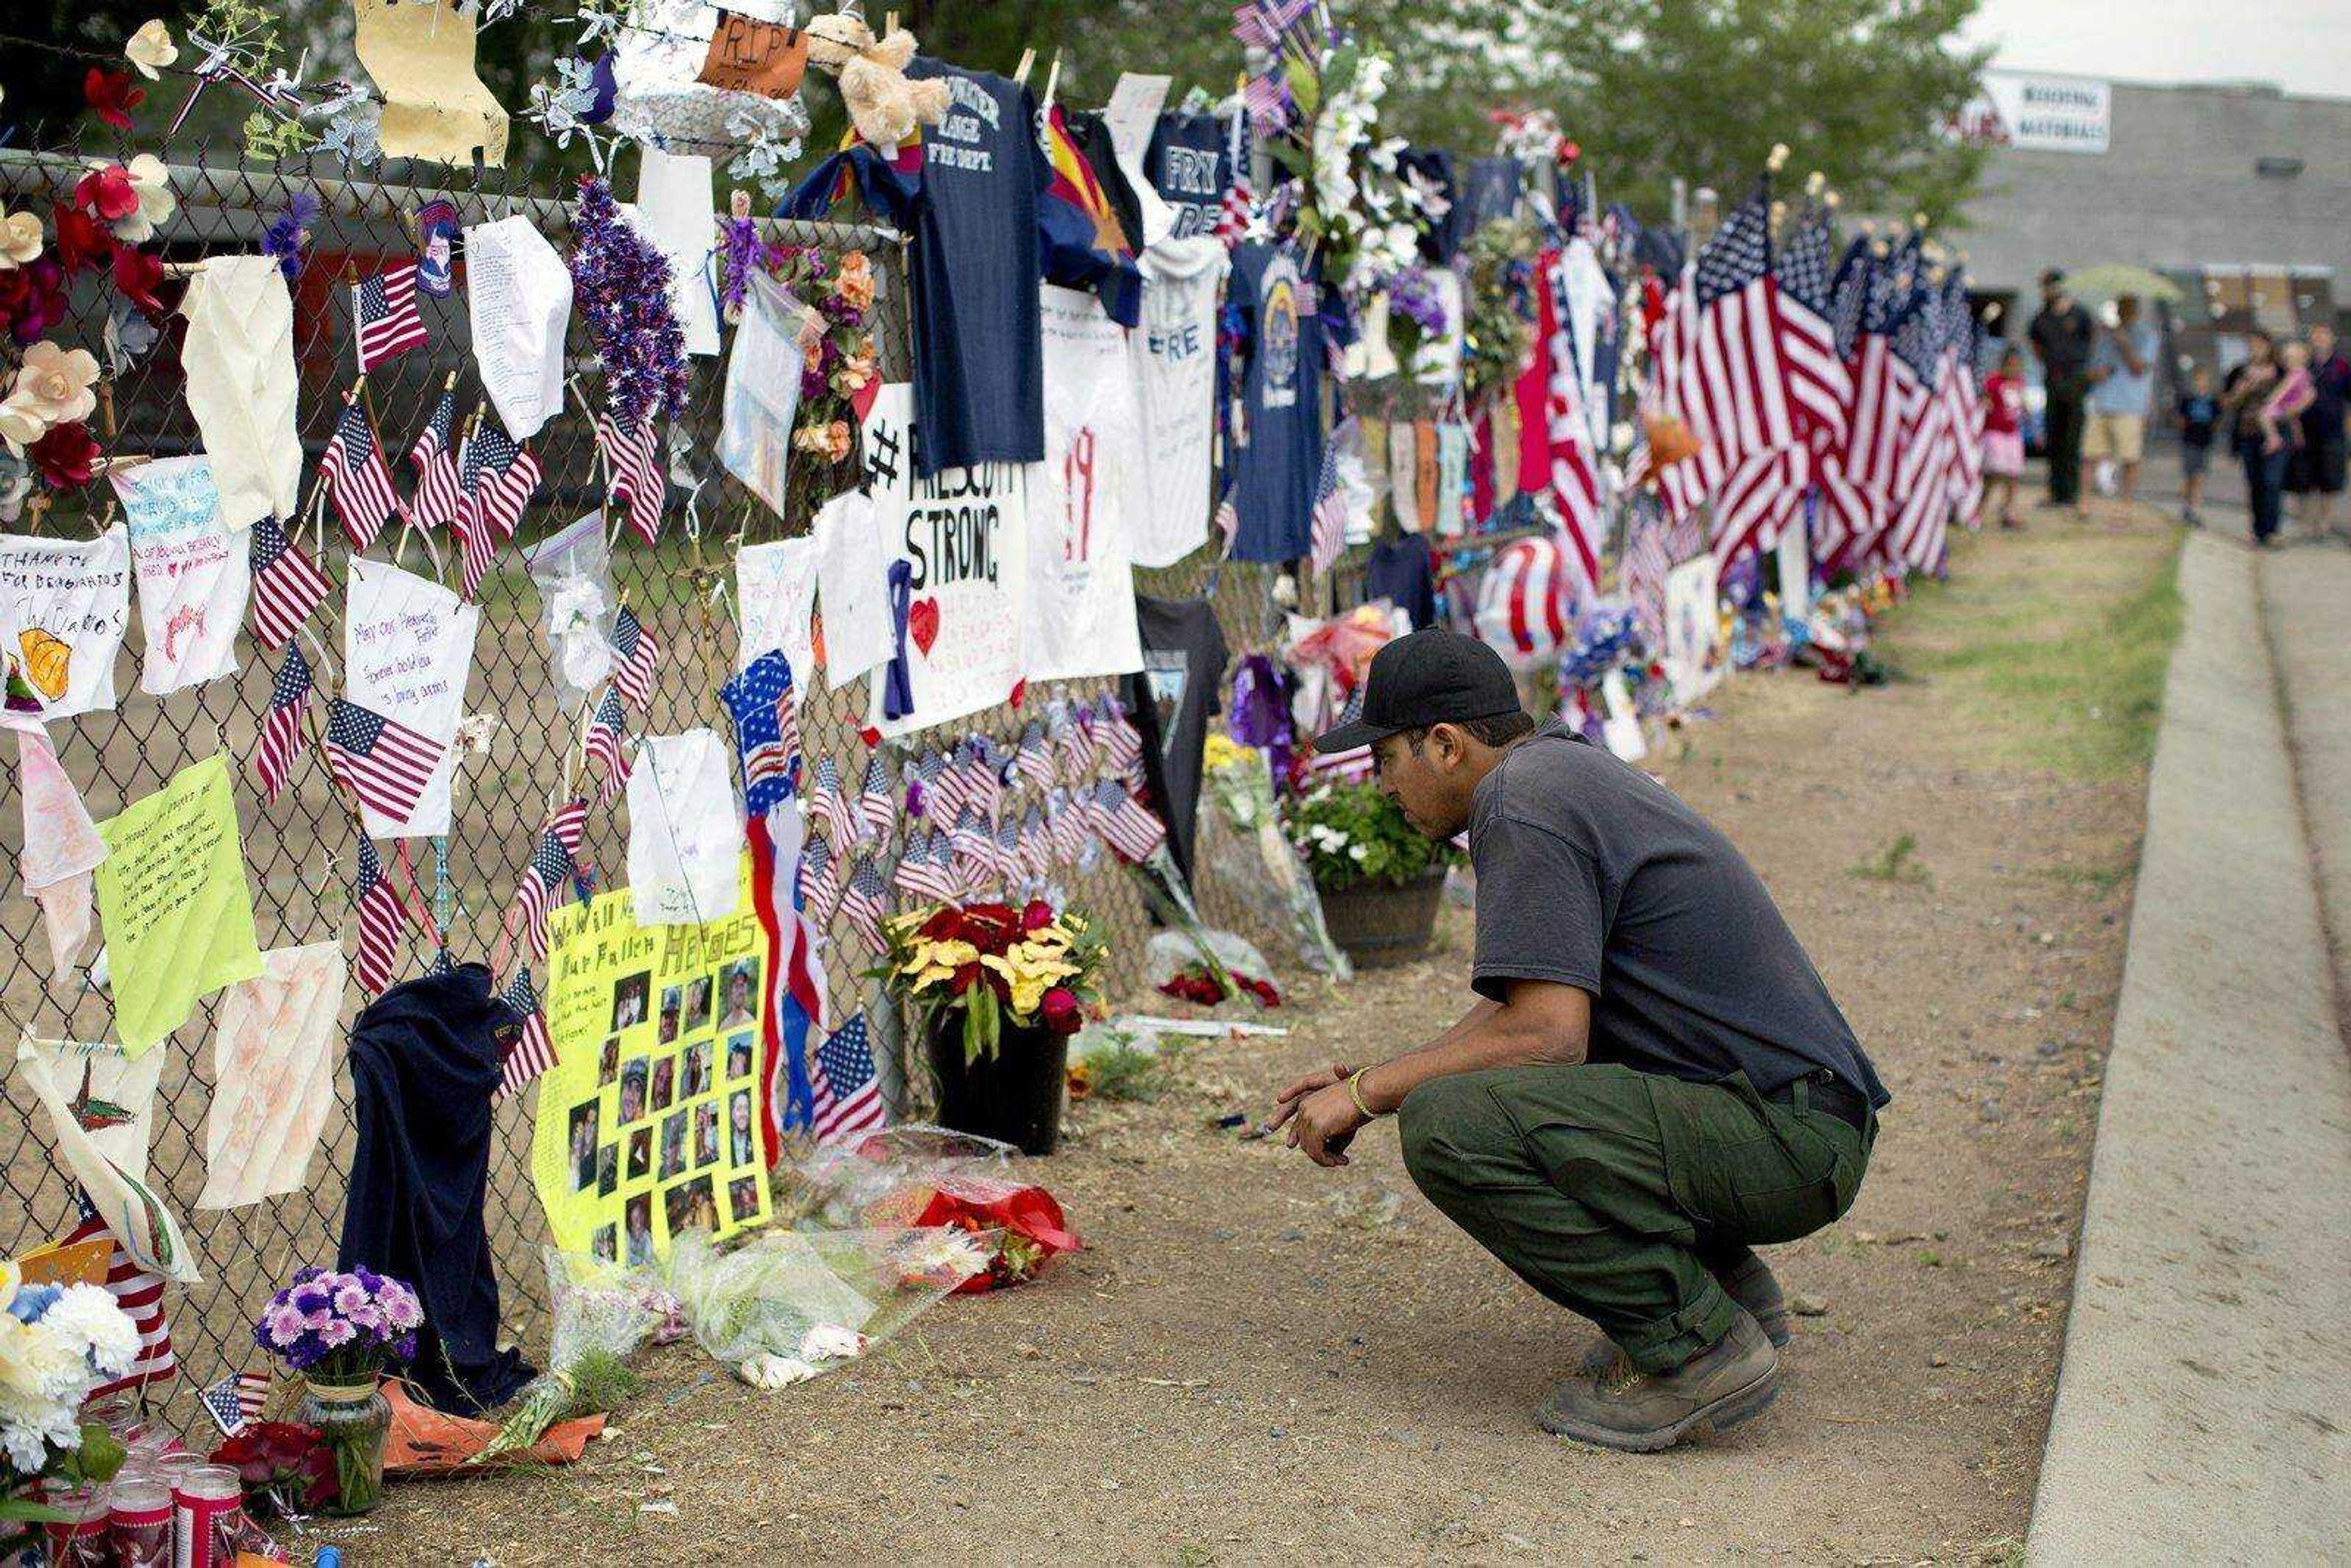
{"type": "Point", "coordinates": [2265, 485]}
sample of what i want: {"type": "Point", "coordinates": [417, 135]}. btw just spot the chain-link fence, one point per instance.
{"type": "Point", "coordinates": [300, 850]}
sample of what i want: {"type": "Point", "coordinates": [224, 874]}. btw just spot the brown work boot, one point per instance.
{"type": "Point", "coordinates": [1749, 1282]}
{"type": "Point", "coordinates": [1644, 1412]}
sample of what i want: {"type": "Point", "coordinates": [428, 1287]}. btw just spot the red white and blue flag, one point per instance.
{"type": "Point", "coordinates": [607, 734]}
{"type": "Point", "coordinates": [495, 480]}
{"type": "Point", "coordinates": [633, 458]}
{"type": "Point", "coordinates": [532, 1051]}
{"type": "Point", "coordinates": [848, 1091]}
{"type": "Point", "coordinates": [383, 919]}
{"type": "Point", "coordinates": [380, 760]}
{"type": "Point", "coordinates": [384, 315]}
{"type": "Point", "coordinates": [357, 483]}
{"type": "Point", "coordinates": [553, 867]}
{"type": "Point", "coordinates": [638, 654]}
{"type": "Point", "coordinates": [434, 458]}
{"type": "Point", "coordinates": [236, 1401]}
{"type": "Point", "coordinates": [281, 728]}
{"type": "Point", "coordinates": [288, 586]}
{"type": "Point", "coordinates": [139, 1295]}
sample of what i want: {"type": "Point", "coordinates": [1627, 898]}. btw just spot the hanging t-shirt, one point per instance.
{"type": "Point", "coordinates": [1080, 618]}
{"type": "Point", "coordinates": [1188, 166]}
{"type": "Point", "coordinates": [1276, 451]}
{"type": "Point", "coordinates": [1398, 571]}
{"type": "Point", "coordinates": [1172, 700]}
{"type": "Point", "coordinates": [1175, 373]}
{"type": "Point", "coordinates": [978, 380]}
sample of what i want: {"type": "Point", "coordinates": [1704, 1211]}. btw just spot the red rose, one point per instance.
{"type": "Point", "coordinates": [138, 275]}
{"type": "Point", "coordinates": [1037, 916]}
{"type": "Point", "coordinates": [1060, 1011]}
{"type": "Point", "coordinates": [111, 96]}
{"type": "Point", "coordinates": [107, 193]}
{"type": "Point", "coordinates": [67, 456]}
{"type": "Point", "coordinates": [80, 240]}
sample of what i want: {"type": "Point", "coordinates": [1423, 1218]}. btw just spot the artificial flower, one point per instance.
{"type": "Point", "coordinates": [67, 456]}
{"type": "Point", "coordinates": [830, 441]}
{"type": "Point", "coordinates": [1060, 1011]}
{"type": "Point", "coordinates": [153, 202]}
{"type": "Point", "coordinates": [106, 193]}
{"type": "Point", "coordinates": [288, 232]}
{"type": "Point", "coordinates": [138, 275]}
{"type": "Point", "coordinates": [151, 48]}
{"type": "Point", "coordinates": [88, 1318]}
{"type": "Point", "coordinates": [1036, 916]}
{"type": "Point", "coordinates": [854, 283]}
{"type": "Point", "coordinates": [52, 386]}
{"type": "Point", "coordinates": [857, 368]}
{"type": "Point", "coordinates": [111, 96]}
{"type": "Point", "coordinates": [82, 241]}
{"type": "Point", "coordinates": [20, 238]}
{"type": "Point", "coordinates": [33, 299]}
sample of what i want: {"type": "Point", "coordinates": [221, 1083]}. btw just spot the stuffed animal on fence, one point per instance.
{"type": "Point", "coordinates": [885, 105]}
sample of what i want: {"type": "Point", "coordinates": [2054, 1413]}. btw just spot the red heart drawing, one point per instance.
{"type": "Point", "coordinates": [923, 623]}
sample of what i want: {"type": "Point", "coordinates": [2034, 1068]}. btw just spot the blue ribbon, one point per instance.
{"type": "Point", "coordinates": [898, 684]}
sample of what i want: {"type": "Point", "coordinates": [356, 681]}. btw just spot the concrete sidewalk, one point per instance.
{"type": "Point", "coordinates": [2205, 1399]}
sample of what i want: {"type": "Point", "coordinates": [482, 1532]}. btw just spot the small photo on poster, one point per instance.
{"type": "Point", "coordinates": [673, 1156]}
{"type": "Point", "coordinates": [629, 994]}
{"type": "Point", "coordinates": [698, 1005]}
{"type": "Point", "coordinates": [608, 1063]}
{"type": "Point", "coordinates": [605, 1243]}
{"type": "Point", "coordinates": [608, 1170]}
{"type": "Point", "coordinates": [632, 1089]}
{"type": "Point", "coordinates": [637, 1219]}
{"type": "Point", "coordinates": [705, 1135]}
{"type": "Point", "coordinates": [664, 1083]}
{"type": "Point", "coordinates": [742, 1142]}
{"type": "Point", "coordinates": [673, 1006]}
{"type": "Point", "coordinates": [743, 1197]}
{"type": "Point", "coordinates": [738, 992]}
{"type": "Point", "coordinates": [739, 1056]}
{"type": "Point", "coordinates": [583, 1146]}
{"type": "Point", "coordinates": [697, 1070]}
{"type": "Point", "coordinates": [691, 1206]}
{"type": "Point", "coordinates": [641, 1154]}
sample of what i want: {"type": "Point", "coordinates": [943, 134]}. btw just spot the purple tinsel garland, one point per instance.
{"type": "Point", "coordinates": [620, 282]}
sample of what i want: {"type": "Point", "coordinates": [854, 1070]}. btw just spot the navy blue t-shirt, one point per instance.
{"type": "Point", "coordinates": [979, 375]}
{"type": "Point", "coordinates": [1190, 166]}
{"type": "Point", "coordinates": [1276, 453]}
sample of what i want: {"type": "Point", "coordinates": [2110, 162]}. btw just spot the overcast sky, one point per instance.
{"type": "Point", "coordinates": [2303, 46]}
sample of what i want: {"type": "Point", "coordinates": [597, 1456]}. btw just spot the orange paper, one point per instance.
{"type": "Point", "coordinates": [428, 1442]}
{"type": "Point", "coordinates": [747, 54]}
{"type": "Point", "coordinates": [82, 1263]}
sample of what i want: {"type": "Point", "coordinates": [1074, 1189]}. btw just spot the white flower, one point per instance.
{"type": "Point", "coordinates": [1358, 852]}
{"type": "Point", "coordinates": [87, 1317]}
{"type": "Point", "coordinates": [151, 48]}
{"type": "Point", "coordinates": [53, 387]}
{"type": "Point", "coordinates": [20, 239]}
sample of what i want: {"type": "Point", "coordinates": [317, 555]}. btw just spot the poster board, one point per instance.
{"type": "Point", "coordinates": [648, 1121]}
{"type": "Point", "coordinates": [1693, 651]}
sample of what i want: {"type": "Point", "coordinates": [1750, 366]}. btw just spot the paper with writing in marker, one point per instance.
{"type": "Point", "coordinates": [421, 54]}
{"type": "Point", "coordinates": [273, 1075]}
{"type": "Point", "coordinates": [407, 648]}
{"type": "Point", "coordinates": [64, 604]}
{"type": "Point", "coordinates": [775, 587]}
{"type": "Point", "coordinates": [61, 848]}
{"type": "Point", "coordinates": [852, 578]}
{"type": "Point", "coordinates": [193, 573]}
{"type": "Point", "coordinates": [676, 210]}
{"type": "Point", "coordinates": [173, 898]}
{"type": "Point", "coordinates": [518, 303]}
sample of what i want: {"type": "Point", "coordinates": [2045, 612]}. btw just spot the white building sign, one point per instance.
{"type": "Point", "coordinates": [2039, 112]}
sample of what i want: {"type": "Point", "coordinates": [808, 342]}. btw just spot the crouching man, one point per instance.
{"type": "Point", "coordinates": [1653, 1080]}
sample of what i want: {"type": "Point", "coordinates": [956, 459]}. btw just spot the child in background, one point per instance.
{"type": "Point", "coordinates": [2281, 416]}
{"type": "Point", "coordinates": [2003, 438]}
{"type": "Point", "coordinates": [2198, 414]}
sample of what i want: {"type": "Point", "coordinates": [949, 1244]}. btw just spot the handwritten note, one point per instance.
{"type": "Point", "coordinates": [519, 302]}
{"type": "Point", "coordinates": [747, 54]}
{"type": "Point", "coordinates": [408, 647]}
{"type": "Point", "coordinates": [193, 575]}
{"type": "Point", "coordinates": [64, 605]}
{"type": "Point", "coordinates": [173, 900]}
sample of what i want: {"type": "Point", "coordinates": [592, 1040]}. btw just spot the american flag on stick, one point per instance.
{"type": "Point", "coordinates": [634, 457]}
{"type": "Point", "coordinates": [1575, 483]}
{"type": "Point", "coordinates": [877, 803]}
{"type": "Point", "coordinates": [638, 656]}
{"type": "Point", "coordinates": [1123, 823]}
{"type": "Point", "coordinates": [1733, 386]}
{"type": "Point", "coordinates": [818, 882]}
{"type": "Point", "coordinates": [827, 807]}
{"type": "Point", "coordinates": [380, 760]}
{"type": "Point", "coordinates": [495, 480]}
{"type": "Point", "coordinates": [863, 900]}
{"type": "Point", "coordinates": [921, 872]}
{"type": "Point", "coordinates": [288, 586]}
{"type": "Point", "coordinates": [434, 458]}
{"type": "Point", "coordinates": [382, 920]}
{"type": "Point", "coordinates": [236, 1401]}
{"type": "Point", "coordinates": [1818, 385]}
{"type": "Point", "coordinates": [848, 1092]}
{"type": "Point", "coordinates": [607, 733]}
{"type": "Point", "coordinates": [1329, 539]}
{"type": "Point", "coordinates": [280, 741]}
{"type": "Point", "coordinates": [384, 315]}
{"type": "Point", "coordinates": [357, 483]}
{"type": "Point", "coordinates": [553, 867]}
{"type": "Point", "coordinates": [531, 1052]}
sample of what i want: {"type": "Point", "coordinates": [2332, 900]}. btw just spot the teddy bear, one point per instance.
{"type": "Point", "coordinates": [884, 106]}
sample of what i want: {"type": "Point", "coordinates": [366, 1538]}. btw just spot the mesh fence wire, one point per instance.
{"type": "Point", "coordinates": [299, 850]}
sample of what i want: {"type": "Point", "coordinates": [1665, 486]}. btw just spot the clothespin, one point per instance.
{"type": "Point", "coordinates": [1052, 78]}
{"type": "Point", "coordinates": [1027, 62]}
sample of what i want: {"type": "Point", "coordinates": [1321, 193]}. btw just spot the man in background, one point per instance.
{"type": "Point", "coordinates": [2122, 388]}
{"type": "Point", "coordinates": [2062, 332]}
{"type": "Point", "coordinates": [2315, 472]}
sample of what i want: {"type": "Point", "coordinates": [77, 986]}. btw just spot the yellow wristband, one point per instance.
{"type": "Point", "coordinates": [1356, 1093]}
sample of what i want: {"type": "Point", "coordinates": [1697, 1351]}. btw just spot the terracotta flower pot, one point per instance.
{"type": "Point", "coordinates": [1378, 925]}
{"type": "Point", "coordinates": [1014, 1096]}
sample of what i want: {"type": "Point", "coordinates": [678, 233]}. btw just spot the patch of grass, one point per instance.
{"type": "Point", "coordinates": [2052, 649]}
{"type": "Point", "coordinates": [1897, 862]}
{"type": "Point", "coordinates": [1122, 1073]}
{"type": "Point", "coordinates": [2096, 879]}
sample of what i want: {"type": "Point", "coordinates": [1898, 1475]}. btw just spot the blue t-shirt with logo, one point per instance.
{"type": "Point", "coordinates": [1188, 165]}
{"type": "Point", "coordinates": [1274, 450]}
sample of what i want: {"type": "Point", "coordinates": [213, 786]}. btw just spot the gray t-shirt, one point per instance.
{"type": "Point", "coordinates": [1591, 873]}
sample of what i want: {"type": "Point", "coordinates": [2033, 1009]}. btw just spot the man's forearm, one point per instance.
{"type": "Point", "coordinates": [1490, 1036]}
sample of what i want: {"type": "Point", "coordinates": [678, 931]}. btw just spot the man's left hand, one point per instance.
{"type": "Point", "coordinates": [1325, 1124]}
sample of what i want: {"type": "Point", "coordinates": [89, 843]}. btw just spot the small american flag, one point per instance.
{"type": "Point", "coordinates": [382, 919]}
{"type": "Point", "coordinates": [434, 458]}
{"type": "Point", "coordinates": [495, 480]}
{"type": "Point", "coordinates": [1036, 845]}
{"type": "Point", "coordinates": [1646, 564]}
{"type": "Point", "coordinates": [380, 760]}
{"type": "Point", "coordinates": [281, 729]}
{"type": "Point", "coordinates": [634, 456]}
{"type": "Point", "coordinates": [984, 783]}
{"type": "Point", "coordinates": [1073, 749]}
{"type": "Point", "coordinates": [973, 847]}
{"type": "Point", "coordinates": [819, 882]}
{"type": "Point", "coordinates": [862, 903]}
{"type": "Point", "coordinates": [1330, 535]}
{"type": "Point", "coordinates": [1123, 823]}
{"type": "Point", "coordinates": [922, 779]}
{"type": "Point", "coordinates": [1120, 737]}
{"type": "Point", "coordinates": [1232, 227]}
{"type": "Point", "coordinates": [1032, 759]}
{"type": "Point", "coordinates": [553, 866]}
{"type": "Point", "coordinates": [848, 1094]}
{"type": "Point", "coordinates": [357, 483]}
{"type": "Point", "coordinates": [139, 1295]}
{"type": "Point", "coordinates": [288, 586]}
{"type": "Point", "coordinates": [767, 736]}
{"type": "Point", "coordinates": [827, 807]}
{"type": "Point", "coordinates": [1066, 821]}
{"type": "Point", "coordinates": [236, 1401]}
{"type": "Point", "coordinates": [607, 733]}
{"type": "Point", "coordinates": [1008, 865]}
{"type": "Point", "coordinates": [920, 875]}
{"type": "Point", "coordinates": [532, 1051]}
{"type": "Point", "coordinates": [384, 309]}
{"type": "Point", "coordinates": [877, 804]}
{"type": "Point", "coordinates": [639, 655]}
{"type": "Point", "coordinates": [950, 792]}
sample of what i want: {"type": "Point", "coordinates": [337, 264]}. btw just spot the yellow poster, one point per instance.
{"type": "Point", "coordinates": [649, 1120]}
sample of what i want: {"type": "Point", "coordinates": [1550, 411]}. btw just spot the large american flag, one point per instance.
{"type": "Point", "coordinates": [848, 1092]}
{"type": "Point", "coordinates": [380, 760]}
{"type": "Point", "coordinates": [1858, 486]}
{"type": "Point", "coordinates": [357, 483]}
{"type": "Point", "coordinates": [288, 586]}
{"type": "Point", "coordinates": [1574, 467]}
{"type": "Point", "coordinates": [1921, 493]}
{"type": "Point", "coordinates": [1732, 385]}
{"type": "Point", "coordinates": [532, 1051]}
{"type": "Point", "coordinates": [434, 458]}
{"type": "Point", "coordinates": [1818, 385]}
{"type": "Point", "coordinates": [382, 920]}
{"type": "Point", "coordinates": [633, 458]}
{"type": "Point", "coordinates": [495, 480]}
{"type": "Point", "coordinates": [384, 311]}
{"type": "Point", "coordinates": [280, 741]}
{"type": "Point", "coordinates": [637, 655]}
{"type": "Point", "coordinates": [1963, 399]}
{"type": "Point", "coordinates": [139, 1295]}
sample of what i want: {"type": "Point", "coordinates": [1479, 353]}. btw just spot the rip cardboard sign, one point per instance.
{"type": "Point", "coordinates": [747, 54]}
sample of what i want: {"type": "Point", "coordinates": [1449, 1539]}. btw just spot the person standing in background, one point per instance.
{"type": "Point", "coordinates": [2003, 438]}
{"type": "Point", "coordinates": [2243, 396]}
{"type": "Point", "coordinates": [2062, 332]}
{"type": "Point", "coordinates": [2198, 413]}
{"type": "Point", "coordinates": [2122, 388]}
{"type": "Point", "coordinates": [2315, 473]}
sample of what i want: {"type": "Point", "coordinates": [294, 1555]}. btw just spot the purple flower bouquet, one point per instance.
{"type": "Point", "coordinates": [340, 1327]}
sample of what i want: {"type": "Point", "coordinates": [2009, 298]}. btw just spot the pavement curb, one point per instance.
{"type": "Point", "coordinates": [2205, 1397]}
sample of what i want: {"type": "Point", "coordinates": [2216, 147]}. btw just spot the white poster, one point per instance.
{"type": "Point", "coordinates": [1176, 378]}
{"type": "Point", "coordinates": [193, 573]}
{"type": "Point", "coordinates": [64, 604]}
{"type": "Point", "coordinates": [408, 647]}
{"type": "Point", "coordinates": [2039, 112]}
{"type": "Point", "coordinates": [1693, 630]}
{"type": "Point", "coordinates": [685, 830]}
{"type": "Point", "coordinates": [519, 301]}
{"type": "Point", "coordinates": [675, 211]}
{"type": "Point", "coordinates": [852, 585]}
{"type": "Point", "coordinates": [962, 536]}
{"type": "Point", "coordinates": [775, 591]}
{"type": "Point", "coordinates": [1080, 615]}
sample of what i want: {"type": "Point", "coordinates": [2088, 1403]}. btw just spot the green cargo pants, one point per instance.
{"type": "Point", "coordinates": [1610, 1190]}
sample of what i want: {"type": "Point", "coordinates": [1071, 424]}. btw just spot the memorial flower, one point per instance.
{"type": "Point", "coordinates": [990, 966]}
{"type": "Point", "coordinates": [151, 48]}
{"type": "Point", "coordinates": [20, 238]}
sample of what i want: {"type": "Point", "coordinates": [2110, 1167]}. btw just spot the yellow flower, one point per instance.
{"type": "Point", "coordinates": [20, 239]}
{"type": "Point", "coordinates": [1224, 751]}
{"type": "Point", "coordinates": [937, 961]}
{"type": "Point", "coordinates": [151, 48]}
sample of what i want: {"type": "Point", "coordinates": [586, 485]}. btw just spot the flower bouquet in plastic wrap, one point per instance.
{"type": "Point", "coordinates": [603, 1312]}
{"type": "Point", "coordinates": [931, 1178]}
{"type": "Point", "coordinates": [1252, 862]}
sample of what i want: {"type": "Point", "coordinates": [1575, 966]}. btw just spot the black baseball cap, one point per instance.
{"type": "Point", "coordinates": [1431, 677]}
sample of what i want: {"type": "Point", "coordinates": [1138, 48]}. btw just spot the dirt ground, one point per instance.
{"type": "Point", "coordinates": [1250, 1363]}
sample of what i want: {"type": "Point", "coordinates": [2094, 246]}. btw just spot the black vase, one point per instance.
{"type": "Point", "coordinates": [1014, 1096]}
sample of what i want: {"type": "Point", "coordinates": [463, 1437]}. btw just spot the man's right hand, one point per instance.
{"type": "Point", "coordinates": [1287, 1101]}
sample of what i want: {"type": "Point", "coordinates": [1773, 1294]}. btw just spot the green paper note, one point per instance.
{"type": "Point", "coordinates": [172, 896]}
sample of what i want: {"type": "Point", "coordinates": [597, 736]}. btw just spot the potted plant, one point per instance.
{"type": "Point", "coordinates": [339, 1330]}
{"type": "Point", "coordinates": [57, 1344]}
{"type": "Point", "coordinates": [997, 992]}
{"type": "Point", "coordinates": [1379, 879]}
